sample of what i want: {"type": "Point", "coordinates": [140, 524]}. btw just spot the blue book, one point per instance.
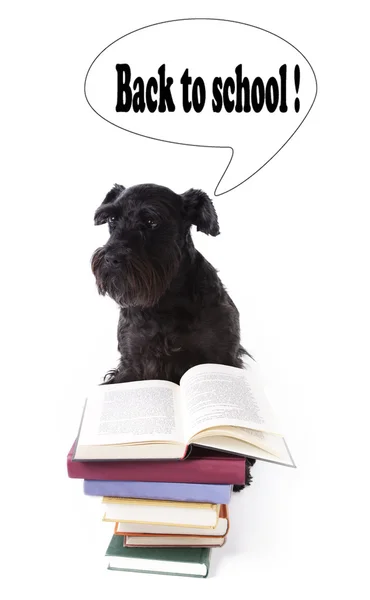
{"type": "Point", "coordinates": [182, 492]}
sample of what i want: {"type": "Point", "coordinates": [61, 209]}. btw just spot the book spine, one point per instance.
{"type": "Point", "coordinates": [204, 470]}
{"type": "Point", "coordinates": [178, 492]}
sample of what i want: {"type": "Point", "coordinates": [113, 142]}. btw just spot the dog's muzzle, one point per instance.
{"type": "Point", "coordinates": [114, 257]}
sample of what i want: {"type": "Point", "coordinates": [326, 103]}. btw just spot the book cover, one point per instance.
{"type": "Point", "coordinates": [156, 490]}
{"type": "Point", "coordinates": [173, 541]}
{"type": "Point", "coordinates": [161, 512]}
{"type": "Point", "coordinates": [169, 561]}
{"type": "Point", "coordinates": [205, 467]}
{"type": "Point", "coordinates": [135, 529]}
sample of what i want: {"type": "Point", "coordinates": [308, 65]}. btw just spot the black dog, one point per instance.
{"type": "Point", "coordinates": [175, 312]}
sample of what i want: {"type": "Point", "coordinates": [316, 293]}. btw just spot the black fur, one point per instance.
{"type": "Point", "coordinates": [174, 311]}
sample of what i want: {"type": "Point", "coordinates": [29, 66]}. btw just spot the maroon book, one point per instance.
{"type": "Point", "coordinates": [202, 466]}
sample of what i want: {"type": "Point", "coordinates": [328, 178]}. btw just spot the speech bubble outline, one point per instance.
{"type": "Point", "coordinates": [204, 145]}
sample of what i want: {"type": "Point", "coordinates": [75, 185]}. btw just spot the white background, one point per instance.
{"type": "Point", "coordinates": [294, 255]}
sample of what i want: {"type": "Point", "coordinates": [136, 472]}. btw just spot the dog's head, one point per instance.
{"type": "Point", "coordinates": [149, 233]}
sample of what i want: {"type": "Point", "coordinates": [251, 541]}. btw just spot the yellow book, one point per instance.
{"type": "Point", "coordinates": [161, 512]}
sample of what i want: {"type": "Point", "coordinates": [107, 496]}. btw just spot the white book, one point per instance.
{"type": "Point", "coordinates": [137, 528]}
{"type": "Point", "coordinates": [215, 406]}
{"type": "Point", "coordinates": [137, 541]}
{"type": "Point", "coordinates": [161, 512]}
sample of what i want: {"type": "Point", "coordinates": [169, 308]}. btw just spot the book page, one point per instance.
{"type": "Point", "coordinates": [217, 395]}
{"type": "Point", "coordinates": [268, 442]}
{"type": "Point", "coordinates": [132, 413]}
{"type": "Point", "coordinates": [243, 448]}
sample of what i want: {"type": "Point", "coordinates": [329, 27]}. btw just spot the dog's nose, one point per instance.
{"type": "Point", "coordinates": [111, 259]}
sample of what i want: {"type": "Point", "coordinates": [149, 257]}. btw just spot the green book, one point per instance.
{"type": "Point", "coordinates": [191, 562]}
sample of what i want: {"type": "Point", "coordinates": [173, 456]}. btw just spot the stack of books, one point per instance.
{"type": "Point", "coordinates": [171, 512]}
{"type": "Point", "coordinates": [164, 459]}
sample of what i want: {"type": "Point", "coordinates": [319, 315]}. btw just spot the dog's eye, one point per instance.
{"type": "Point", "coordinates": [112, 220]}
{"type": "Point", "coordinates": [151, 223]}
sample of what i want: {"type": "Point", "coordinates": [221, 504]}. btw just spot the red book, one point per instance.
{"type": "Point", "coordinates": [203, 466]}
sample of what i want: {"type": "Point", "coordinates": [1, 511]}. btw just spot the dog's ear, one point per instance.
{"type": "Point", "coordinates": [201, 212]}
{"type": "Point", "coordinates": [101, 216]}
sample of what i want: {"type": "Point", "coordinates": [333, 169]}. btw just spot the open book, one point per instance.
{"type": "Point", "coordinates": [216, 406]}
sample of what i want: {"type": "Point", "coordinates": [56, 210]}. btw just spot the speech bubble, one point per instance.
{"type": "Point", "coordinates": [206, 82]}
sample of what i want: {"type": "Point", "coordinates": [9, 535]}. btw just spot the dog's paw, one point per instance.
{"type": "Point", "coordinates": [248, 477]}
{"type": "Point", "coordinates": [238, 488]}
{"type": "Point", "coordinates": [110, 377]}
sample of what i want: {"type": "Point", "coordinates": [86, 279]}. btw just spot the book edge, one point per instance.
{"type": "Point", "coordinates": [246, 456]}
{"type": "Point", "coordinates": [75, 446]}
{"type": "Point", "coordinates": [206, 527]}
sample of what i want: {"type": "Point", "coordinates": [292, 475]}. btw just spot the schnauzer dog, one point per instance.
{"type": "Point", "coordinates": [174, 311]}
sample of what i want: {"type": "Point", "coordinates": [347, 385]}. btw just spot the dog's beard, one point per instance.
{"type": "Point", "coordinates": [137, 282]}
